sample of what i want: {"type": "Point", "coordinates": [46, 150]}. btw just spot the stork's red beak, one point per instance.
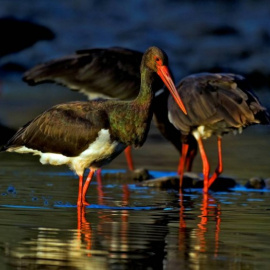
{"type": "Point", "coordinates": [164, 74]}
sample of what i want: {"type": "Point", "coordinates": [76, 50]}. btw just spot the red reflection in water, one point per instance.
{"type": "Point", "coordinates": [100, 187]}
{"type": "Point", "coordinates": [182, 208]}
{"type": "Point", "coordinates": [84, 227]}
{"type": "Point", "coordinates": [209, 209]}
{"type": "Point", "coordinates": [117, 239]}
{"type": "Point", "coordinates": [182, 223]}
{"type": "Point", "coordinates": [125, 201]}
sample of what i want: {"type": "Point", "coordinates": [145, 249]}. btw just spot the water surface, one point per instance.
{"type": "Point", "coordinates": [127, 226]}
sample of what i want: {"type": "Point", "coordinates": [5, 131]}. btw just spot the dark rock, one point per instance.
{"type": "Point", "coordinates": [140, 174]}
{"type": "Point", "coordinates": [191, 180]}
{"type": "Point", "coordinates": [129, 176]}
{"type": "Point", "coordinates": [223, 184]}
{"type": "Point", "coordinates": [256, 183]}
{"type": "Point", "coordinates": [162, 182]}
{"type": "Point", "coordinates": [220, 184]}
{"type": "Point", "coordinates": [267, 183]}
{"type": "Point", "coordinates": [169, 182]}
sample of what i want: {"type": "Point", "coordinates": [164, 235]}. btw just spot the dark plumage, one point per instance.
{"type": "Point", "coordinates": [216, 104]}
{"type": "Point", "coordinates": [110, 73]}
{"type": "Point", "coordinates": [90, 134]}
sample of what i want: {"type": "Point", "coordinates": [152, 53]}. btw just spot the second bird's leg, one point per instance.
{"type": "Point", "coordinates": [206, 166]}
{"type": "Point", "coordinates": [129, 158]}
{"type": "Point", "coordinates": [219, 168]}
{"type": "Point", "coordinates": [189, 160]}
{"type": "Point", "coordinates": [182, 162]}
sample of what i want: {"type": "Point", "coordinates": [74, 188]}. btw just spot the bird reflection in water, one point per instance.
{"type": "Point", "coordinates": [210, 209]}
{"type": "Point", "coordinates": [114, 241]}
{"type": "Point", "coordinates": [84, 230]}
{"type": "Point", "coordinates": [104, 237]}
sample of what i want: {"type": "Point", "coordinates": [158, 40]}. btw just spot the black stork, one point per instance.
{"type": "Point", "coordinates": [92, 133]}
{"type": "Point", "coordinates": [110, 73]}
{"type": "Point", "coordinates": [217, 104]}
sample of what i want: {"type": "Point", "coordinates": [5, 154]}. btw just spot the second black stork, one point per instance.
{"type": "Point", "coordinates": [216, 104]}
{"type": "Point", "coordinates": [90, 134]}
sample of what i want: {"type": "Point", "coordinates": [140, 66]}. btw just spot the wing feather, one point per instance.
{"type": "Point", "coordinates": [216, 98]}
{"type": "Point", "coordinates": [67, 129]}
{"type": "Point", "coordinates": [104, 72]}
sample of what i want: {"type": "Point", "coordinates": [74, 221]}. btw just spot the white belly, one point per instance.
{"type": "Point", "coordinates": [101, 149]}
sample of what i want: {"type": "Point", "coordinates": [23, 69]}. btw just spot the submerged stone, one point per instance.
{"type": "Point", "coordinates": [190, 180]}
{"type": "Point", "coordinates": [129, 176]}
{"type": "Point", "coordinates": [220, 184]}
{"type": "Point", "coordinates": [255, 182]}
{"type": "Point", "coordinates": [267, 183]}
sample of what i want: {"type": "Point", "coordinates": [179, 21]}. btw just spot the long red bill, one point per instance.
{"type": "Point", "coordinates": [164, 74]}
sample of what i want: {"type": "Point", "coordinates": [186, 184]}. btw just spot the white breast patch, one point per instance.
{"type": "Point", "coordinates": [101, 148]}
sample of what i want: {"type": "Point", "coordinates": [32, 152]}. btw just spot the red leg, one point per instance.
{"type": "Point", "coordinates": [181, 166]}
{"type": "Point", "coordinates": [206, 166]}
{"type": "Point", "coordinates": [189, 160]}
{"type": "Point", "coordinates": [86, 185]}
{"type": "Point", "coordinates": [219, 168]}
{"type": "Point", "coordinates": [79, 201]}
{"type": "Point", "coordinates": [129, 158]}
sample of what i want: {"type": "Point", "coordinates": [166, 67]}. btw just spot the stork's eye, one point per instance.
{"type": "Point", "coordinates": [158, 60]}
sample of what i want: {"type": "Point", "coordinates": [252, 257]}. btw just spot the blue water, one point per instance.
{"type": "Point", "coordinates": [127, 225]}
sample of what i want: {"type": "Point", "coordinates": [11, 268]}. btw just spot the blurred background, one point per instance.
{"type": "Point", "coordinates": [197, 36]}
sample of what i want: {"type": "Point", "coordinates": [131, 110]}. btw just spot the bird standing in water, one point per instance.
{"type": "Point", "coordinates": [111, 73]}
{"type": "Point", "coordinates": [90, 134]}
{"type": "Point", "coordinates": [217, 104]}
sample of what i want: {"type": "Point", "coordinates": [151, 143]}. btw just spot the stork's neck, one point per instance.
{"type": "Point", "coordinates": [146, 93]}
{"type": "Point", "coordinates": [132, 124]}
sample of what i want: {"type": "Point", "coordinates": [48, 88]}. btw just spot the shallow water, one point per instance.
{"type": "Point", "coordinates": [127, 226]}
